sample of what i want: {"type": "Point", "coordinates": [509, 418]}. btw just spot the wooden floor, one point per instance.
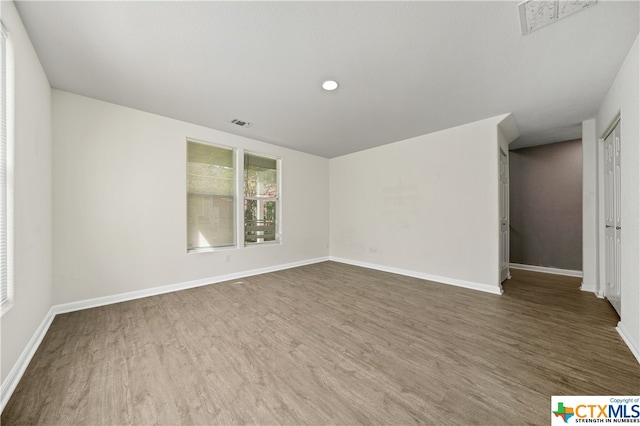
{"type": "Point", "coordinates": [328, 344]}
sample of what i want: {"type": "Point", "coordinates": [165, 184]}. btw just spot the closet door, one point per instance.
{"type": "Point", "coordinates": [612, 217]}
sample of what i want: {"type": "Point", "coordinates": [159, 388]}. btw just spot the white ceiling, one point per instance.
{"type": "Point", "coordinates": [405, 68]}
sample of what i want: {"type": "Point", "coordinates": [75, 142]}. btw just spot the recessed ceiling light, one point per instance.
{"type": "Point", "coordinates": [330, 85]}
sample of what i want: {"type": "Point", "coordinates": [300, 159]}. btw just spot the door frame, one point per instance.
{"type": "Point", "coordinates": [601, 253]}
{"type": "Point", "coordinates": [503, 199]}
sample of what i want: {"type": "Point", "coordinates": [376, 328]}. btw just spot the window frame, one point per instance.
{"type": "Point", "coordinates": [277, 200]}
{"type": "Point", "coordinates": [7, 139]}
{"type": "Point", "coordinates": [235, 154]}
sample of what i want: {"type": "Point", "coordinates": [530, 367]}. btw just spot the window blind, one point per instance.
{"type": "Point", "coordinates": [211, 205]}
{"type": "Point", "coordinates": [4, 189]}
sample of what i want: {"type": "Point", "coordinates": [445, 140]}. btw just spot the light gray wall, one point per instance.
{"type": "Point", "coordinates": [419, 206]}
{"type": "Point", "coordinates": [32, 255]}
{"type": "Point", "coordinates": [120, 214]}
{"type": "Point", "coordinates": [546, 205]}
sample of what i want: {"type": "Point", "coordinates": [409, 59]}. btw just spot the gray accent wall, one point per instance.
{"type": "Point", "coordinates": [546, 205]}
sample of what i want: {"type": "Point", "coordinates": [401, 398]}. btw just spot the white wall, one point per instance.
{"type": "Point", "coordinates": [32, 196]}
{"type": "Point", "coordinates": [119, 180]}
{"type": "Point", "coordinates": [589, 206]}
{"type": "Point", "coordinates": [624, 98]}
{"type": "Point", "coordinates": [427, 205]}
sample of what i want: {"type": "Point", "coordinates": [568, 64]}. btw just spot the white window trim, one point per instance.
{"type": "Point", "coordinates": [9, 128]}
{"type": "Point", "coordinates": [238, 156]}
{"type": "Point", "coordinates": [239, 194]}
{"type": "Point", "coordinates": [278, 200]}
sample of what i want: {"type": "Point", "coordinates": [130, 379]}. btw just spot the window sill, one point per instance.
{"type": "Point", "coordinates": [211, 249]}
{"type": "Point", "coordinates": [5, 308]}
{"type": "Point", "coordinates": [266, 243]}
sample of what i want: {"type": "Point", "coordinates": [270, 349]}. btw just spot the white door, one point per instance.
{"type": "Point", "coordinates": [504, 216]}
{"type": "Point", "coordinates": [612, 223]}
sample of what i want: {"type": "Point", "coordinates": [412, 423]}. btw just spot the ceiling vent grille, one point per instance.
{"type": "Point", "coordinates": [240, 123]}
{"type": "Point", "coordinates": [535, 14]}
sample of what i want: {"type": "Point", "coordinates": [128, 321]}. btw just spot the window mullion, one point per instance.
{"type": "Point", "coordinates": [239, 214]}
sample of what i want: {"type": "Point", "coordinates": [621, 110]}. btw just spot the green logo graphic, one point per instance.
{"type": "Point", "coordinates": [565, 412]}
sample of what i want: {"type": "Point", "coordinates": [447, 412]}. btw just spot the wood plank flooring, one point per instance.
{"type": "Point", "coordinates": [328, 344]}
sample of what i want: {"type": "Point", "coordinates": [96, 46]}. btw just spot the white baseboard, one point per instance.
{"type": "Point", "coordinates": [591, 289]}
{"type": "Point", "coordinates": [598, 293]}
{"type": "Point", "coordinates": [546, 270]}
{"type": "Point", "coordinates": [626, 336]}
{"type": "Point", "coordinates": [132, 295]}
{"type": "Point", "coordinates": [13, 378]}
{"type": "Point", "coordinates": [442, 280]}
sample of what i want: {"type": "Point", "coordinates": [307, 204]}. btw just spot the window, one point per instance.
{"type": "Point", "coordinates": [210, 196]}
{"type": "Point", "coordinates": [6, 177]}
{"type": "Point", "coordinates": [261, 201]}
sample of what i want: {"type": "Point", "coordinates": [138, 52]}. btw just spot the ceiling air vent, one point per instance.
{"type": "Point", "coordinates": [240, 123]}
{"type": "Point", "coordinates": [535, 14]}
